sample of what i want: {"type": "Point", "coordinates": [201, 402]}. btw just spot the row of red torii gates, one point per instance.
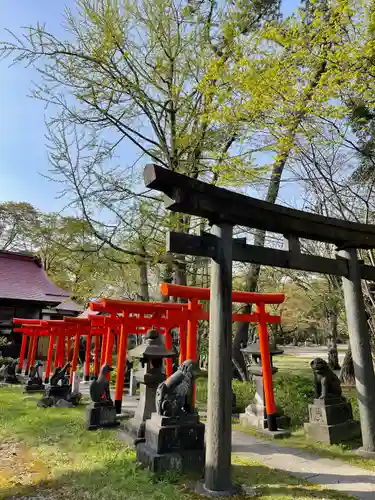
{"type": "Point", "coordinates": [121, 318]}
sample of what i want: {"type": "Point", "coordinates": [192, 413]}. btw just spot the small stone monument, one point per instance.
{"type": "Point", "coordinates": [174, 436]}
{"type": "Point", "coordinates": [76, 380]}
{"type": "Point", "coordinates": [3, 369]}
{"type": "Point", "coordinates": [255, 414]}
{"type": "Point", "coordinates": [151, 354]}
{"type": "Point", "coordinates": [331, 415]}
{"type": "Point", "coordinates": [35, 381]}
{"type": "Point", "coordinates": [11, 373]}
{"type": "Point", "coordinates": [133, 384]}
{"type": "Point", "coordinates": [102, 413]}
{"type": "Point", "coordinates": [130, 382]}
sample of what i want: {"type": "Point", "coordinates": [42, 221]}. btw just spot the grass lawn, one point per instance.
{"type": "Point", "coordinates": [48, 454]}
{"type": "Point", "coordinates": [293, 365]}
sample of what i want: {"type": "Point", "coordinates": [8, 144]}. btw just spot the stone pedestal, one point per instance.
{"type": "Point", "coordinates": [11, 374]}
{"type": "Point", "coordinates": [34, 387]}
{"type": "Point", "coordinates": [149, 379]}
{"type": "Point", "coordinates": [76, 379]}
{"type": "Point", "coordinates": [255, 414]}
{"type": "Point", "coordinates": [331, 421]}
{"type": "Point", "coordinates": [101, 415]}
{"type": "Point", "coordinates": [10, 379]}
{"type": "Point", "coordinates": [173, 444]}
{"type": "Point", "coordinates": [58, 391]}
{"type": "Point", "coordinates": [59, 395]}
{"type": "Point", "coordinates": [133, 384]}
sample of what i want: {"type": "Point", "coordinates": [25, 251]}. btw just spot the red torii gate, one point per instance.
{"type": "Point", "coordinates": [128, 317]}
{"type": "Point", "coordinates": [33, 330]}
{"type": "Point", "coordinates": [87, 328]}
{"type": "Point", "coordinates": [137, 318]}
{"type": "Point", "coordinates": [61, 330]}
{"type": "Point", "coordinates": [193, 294]}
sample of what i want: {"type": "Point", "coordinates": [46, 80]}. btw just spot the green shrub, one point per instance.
{"type": "Point", "coordinates": [6, 360]}
{"type": "Point", "coordinates": [292, 393]}
{"type": "Point", "coordinates": [245, 392]}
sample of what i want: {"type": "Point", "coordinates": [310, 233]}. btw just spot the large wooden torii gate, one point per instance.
{"type": "Point", "coordinates": [225, 209]}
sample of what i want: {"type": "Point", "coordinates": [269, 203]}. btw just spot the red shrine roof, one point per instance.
{"type": "Point", "coordinates": [22, 277]}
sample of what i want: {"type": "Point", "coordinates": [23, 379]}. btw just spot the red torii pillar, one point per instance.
{"type": "Point", "coordinates": [193, 294]}
{"type": "Point", "coordinates": [49, 356]}
{"type": "Point", "coordinates": [82, 328]}
{"type": "Point", "coordinates": [24, 322]}
{"type": "Point", "coordinates": [99, 330]}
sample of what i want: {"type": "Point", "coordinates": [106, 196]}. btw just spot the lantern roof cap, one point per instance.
{"type": "Point", "coordinates": [153, 348]}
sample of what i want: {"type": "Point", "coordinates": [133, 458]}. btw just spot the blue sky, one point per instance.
{"type": "Point", "coordinates": [23, 156]}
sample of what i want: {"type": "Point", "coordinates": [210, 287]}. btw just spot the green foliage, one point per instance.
{"type": "Point", "coordinates": [69, 251]}
{"type": "Point", "coordinates": [6, 360]}
{"type": "Point", "coordinates": [293, 393]}
{"type": "Point", "coordinates": [262, 95]}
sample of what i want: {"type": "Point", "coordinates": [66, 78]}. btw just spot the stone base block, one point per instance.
{"type": "Point", "coordinates": [333, 434]}
{"type": "Point", "coordinates": [233, 490]}
{"type": "Point", "coordinates": [279, 434]}
{"type": "Point", "coordinates": [101, 416]}
{"type": "Point", "coordinates": [174, 434]}
{"type": "Point", "coordinates": [365, 453]}
{"type": "Point", "coordinates": [330, 412]}
{"type": "Point", "coordinates": [259, 422]}
{"type": "Point", "coordinates": [127, 438]}
{"type": "Point", "coordinates": [35, 388]}
{"type": "Point", "coordinates": [58, 391]}
{"type": "Point", "coordinates": [184, 461]}
{"type": "Point", "coordinates": [11, 380]}
{"type": "Point", "coordinates": [135, 427]}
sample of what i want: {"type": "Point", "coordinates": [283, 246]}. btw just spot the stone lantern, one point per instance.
{"type": "Point", "coordinates": [255, 414]}
{"type": "Point", "coordinates": [151, 355]}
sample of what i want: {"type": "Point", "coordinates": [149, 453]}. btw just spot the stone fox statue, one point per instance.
{"type": "Point", "coordinates": [327, 384]}
{"type": "Point", "coordinates": [34, 375]}
{"type": "Point", "coordinates": [59, 375]}
{"type": "Point", "coordinates": [174, 395]}
{"type": "Point", "coordinates": [99, 389]}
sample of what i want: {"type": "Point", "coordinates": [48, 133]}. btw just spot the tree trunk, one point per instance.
{"type": "Point", "coordinates": [167, 277]}
{"type": "Point", "coordinates": [143, 280]}
{"type": "Point", "coordinates": [242, 332]}
{"type": "Point", "coordinates": [333, 355]}
{"type": "Point", "coordinates": [347, 371]}
{"type": "Point", "coordinates": [180, 273]}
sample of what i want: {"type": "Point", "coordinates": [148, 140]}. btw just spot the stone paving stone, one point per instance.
{"type": "Point", "coordinates": [329, 474]}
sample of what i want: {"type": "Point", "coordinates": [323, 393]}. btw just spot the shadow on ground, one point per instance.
{"type": "Point", "coordinates": [125, 479]}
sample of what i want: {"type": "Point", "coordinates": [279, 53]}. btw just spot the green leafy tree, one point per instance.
{"type": "Point", "coordinates": [128, 77]}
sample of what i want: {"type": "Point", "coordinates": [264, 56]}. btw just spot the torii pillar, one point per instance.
{"type": "Point", "coordinates": [361, 349]}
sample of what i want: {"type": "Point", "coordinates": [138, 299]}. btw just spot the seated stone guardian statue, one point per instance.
{"type": "Point", "coordinates": [102, 411]}
{"type": "Point", "coordinates": [330, 415]}
{"type": "Point", "coordinates": [35, 382]}
{"type": "Point", "coordinates": [327, 384]}
{"type": "Point", "coordinates": [11, 373]}
{"type": "Point", "coordinates": [59, 391]}
{"type": "Point", "coordinates": [99, 388]}
{"type": "Point", "coordinates": [174, 436]}
{"type": "Point", "coordinates": [60, 376]}
{"type": "Point", "coordinates": [174, 395]}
